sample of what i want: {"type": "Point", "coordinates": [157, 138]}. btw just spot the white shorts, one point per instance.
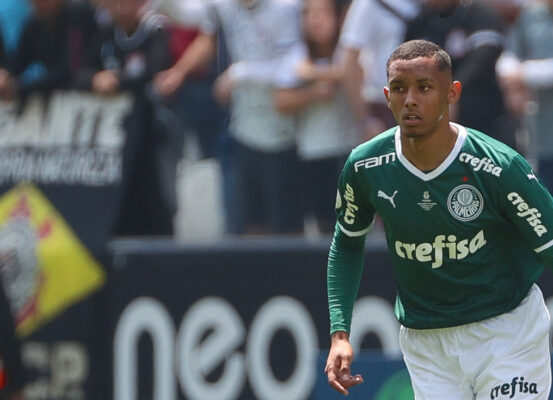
{"type": "Point", "coordinates": [504, 357]}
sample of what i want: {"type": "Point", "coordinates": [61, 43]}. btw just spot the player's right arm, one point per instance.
{"type": "Point", "coordinates": [345, 267]}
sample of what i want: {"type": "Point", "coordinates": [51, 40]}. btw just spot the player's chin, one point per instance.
{"type": "Point", "coordinates": [410, 132]}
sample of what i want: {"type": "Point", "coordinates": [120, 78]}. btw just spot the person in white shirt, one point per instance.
{"type": "Point", "coordinates": [372, 30]}
{"type": "Point", "coordinates": [257, 33]}
{"type": "Point", "coordinates": [311, 86]}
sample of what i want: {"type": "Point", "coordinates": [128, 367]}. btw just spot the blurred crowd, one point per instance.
{"type": "Point", "coordinates": [278, 91]}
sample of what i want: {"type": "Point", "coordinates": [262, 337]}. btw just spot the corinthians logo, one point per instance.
{"type": "Point", "coordinates": [465, 203]}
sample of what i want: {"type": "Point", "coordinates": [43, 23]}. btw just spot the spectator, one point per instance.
{"type": "Point", "coordinates": [262, 176]}
{"type": "Point", "coordinates": [472, 33]}
{"type": "Point", "coordinates": [13, 16]}
{"type": "Point", "coordinates": [52, 46]}
{"type": "Point", "coordinates": [372, 30]}
{"type": "Point", "coordinates": [311, 82]}
{"type": "Point", "coordinates": [509, 9]}
{"type": "Point", "coordinates": [124, 57]}
{"type": "Point", "coordinates": [10, 353]}
{"type": "Point", "coordinates": [5, 84]}
{"type": "Point", "coordinates": [526, 71]}
{"type": "Point", "coordinates": [193, 102]}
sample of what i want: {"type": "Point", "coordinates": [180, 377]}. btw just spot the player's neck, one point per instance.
{"type": "Point", "coordinates": [427, 153]}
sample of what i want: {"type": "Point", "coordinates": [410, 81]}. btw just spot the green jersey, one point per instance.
{"type": "Point", "coordinates": [467, 239]}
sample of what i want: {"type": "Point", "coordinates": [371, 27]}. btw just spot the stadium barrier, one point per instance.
{"type": "Point", "coordinates": [240, 319]}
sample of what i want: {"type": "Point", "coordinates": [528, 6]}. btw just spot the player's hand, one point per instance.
{"type": "Point", "coordinates": [338, 364]}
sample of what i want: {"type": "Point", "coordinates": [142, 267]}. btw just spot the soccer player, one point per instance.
{"type": "Point", "coordinates": [469, 227]}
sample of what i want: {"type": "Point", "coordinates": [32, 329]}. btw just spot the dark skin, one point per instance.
{"type": "Point", "coordinates": [419, 95]}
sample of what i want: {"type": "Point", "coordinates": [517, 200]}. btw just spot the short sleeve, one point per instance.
{"type": "Point", "coordinates": [354, 212]}
{"type": "Point", "coordinates": [529, 206]}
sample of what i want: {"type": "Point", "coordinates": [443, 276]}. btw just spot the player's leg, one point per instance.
{"type": "Point", "coordinates": [519, 357]}
{"type": "Point", "coordinates": [435, 372]}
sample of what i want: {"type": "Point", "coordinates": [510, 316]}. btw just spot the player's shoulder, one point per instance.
{"type": "Point", "coordinates": [376, 151]}
{"type": "Point", "coordinates": [479, 149]}
{"type": "Point", "coordinates": [382, 142]}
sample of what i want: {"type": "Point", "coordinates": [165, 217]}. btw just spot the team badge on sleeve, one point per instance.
{"type": "Point", "coordinates": [465, 203]}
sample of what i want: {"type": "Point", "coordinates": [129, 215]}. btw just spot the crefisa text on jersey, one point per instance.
{"type": "Point", "coordinates": [485, 164]}
{"type": "Point", "coordinates": [531, 215]}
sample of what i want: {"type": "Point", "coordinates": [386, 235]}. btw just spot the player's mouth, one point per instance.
{"type": "Point", "coordinates": [411, 119]}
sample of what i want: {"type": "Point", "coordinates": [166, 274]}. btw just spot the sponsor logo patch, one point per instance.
{"type": "Point", "coordinates": [480, 164]}
{"type": "Point", "coordinates": [389, 198]}
{"type": "Point", "coordinates": [465, 203]}
{"type": "Point", "coordinates": [351, 207]}
{"type": "Point", "coordinates": [509, 390]}
{"type": "Point", "coordinates": [426, 203]}
{"type": "Point", "coordinates": [374, 161]}
{"type": "Point", "coordinates": [442, 247]}
{"type": "Point", "coordinates": [530, 214]}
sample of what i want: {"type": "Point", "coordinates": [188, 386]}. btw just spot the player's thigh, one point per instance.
{"type": "Point", "coordinates": [434, 373]}
{"type": "Point", "coordinates": [520, 367]}
{"type": "Point", "coordinates": [521, 377]}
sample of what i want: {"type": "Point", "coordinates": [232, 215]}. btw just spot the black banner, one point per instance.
{"type": "Point", "coordinates": [241, 319]}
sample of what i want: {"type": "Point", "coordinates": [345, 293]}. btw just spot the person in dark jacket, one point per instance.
{"type": "Point", "coordinates": [126, 54]}
{"type": "Point", "coordinates": [473, 34]}
{"type": "Point", "coordinates": [52, 47]}
{"type": "Point", "coordinates": [124, 57]}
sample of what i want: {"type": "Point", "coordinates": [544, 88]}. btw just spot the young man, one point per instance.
{"type": "Point", "coordinates": [469, 227]}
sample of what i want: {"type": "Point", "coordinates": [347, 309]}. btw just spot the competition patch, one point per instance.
{"type": "Point", "coordinates": [465, 203]}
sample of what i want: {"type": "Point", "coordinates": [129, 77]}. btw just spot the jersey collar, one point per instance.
{"type": "Point", "coordinates": [426, 176]}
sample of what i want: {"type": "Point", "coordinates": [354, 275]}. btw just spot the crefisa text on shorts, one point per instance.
{"type": "Point", "coordinates": [517, 385]}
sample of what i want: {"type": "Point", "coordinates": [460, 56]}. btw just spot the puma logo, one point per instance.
{"type": "Point", "coordinates": [389, 198]}
{"type": "Point", "coordinates": [531, 176]}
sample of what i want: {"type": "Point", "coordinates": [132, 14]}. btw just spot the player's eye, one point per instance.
{"type": "Point", "coordinates": [397, 89]}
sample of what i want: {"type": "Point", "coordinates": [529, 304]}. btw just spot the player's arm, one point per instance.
{"type": "Point", "coordinates": [345, 266]}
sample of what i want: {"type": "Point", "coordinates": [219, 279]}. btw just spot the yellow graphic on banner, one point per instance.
{"type": "Point", "coordinates": [44, 267]}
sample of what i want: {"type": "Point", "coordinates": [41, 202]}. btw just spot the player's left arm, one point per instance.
{"type": "Point", "coordinates": [529, 205]}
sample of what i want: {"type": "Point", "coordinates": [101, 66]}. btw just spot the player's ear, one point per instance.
{"type": "Point", "coordinates": [454, 92]}
{"type": "Point", "coordinates": [387, 95]}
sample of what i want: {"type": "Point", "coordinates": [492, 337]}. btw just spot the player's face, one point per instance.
{"type": "Point", "coordinates": [419, 95]}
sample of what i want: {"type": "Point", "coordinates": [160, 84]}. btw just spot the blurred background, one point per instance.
{"type": "Point", "coordinates": [168, 175]}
